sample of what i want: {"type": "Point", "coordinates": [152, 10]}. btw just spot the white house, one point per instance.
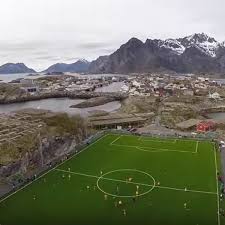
{"type": "Point", "coordinates": [214, 95]}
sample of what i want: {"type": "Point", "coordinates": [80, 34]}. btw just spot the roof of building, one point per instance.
{"type": "Point", "coordinates": [207, 123]}
{"type": "Point", "coordinates": [118, 121]}
{"type": "Point", "coordinates": [111, 116]}
{"type": "Point", "coordinates": [188, 123]}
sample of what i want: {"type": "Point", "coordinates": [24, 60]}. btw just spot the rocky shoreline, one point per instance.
{"type": "Point", "coordinates": [92, 102]}
{"type": "Point", "coordinates": [63, 94]}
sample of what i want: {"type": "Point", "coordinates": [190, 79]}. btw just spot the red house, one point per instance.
{"type": "Point", "coordinates": [205, 126]}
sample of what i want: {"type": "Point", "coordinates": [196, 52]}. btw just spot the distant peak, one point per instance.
{"type": "Point", "coordinates": [200, 37]}
{"type": "Point", "coordinates": [82, 60]}
{"type": "Point", "coordinates": [135, 40]}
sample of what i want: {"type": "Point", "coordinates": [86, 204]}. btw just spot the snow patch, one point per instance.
{"type": "Point", "coordinates": [201, 41]}
{"type": "Point", "coordinates": [173, 45]}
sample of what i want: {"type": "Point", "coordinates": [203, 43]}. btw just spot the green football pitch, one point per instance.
{"type": "Point", "coordinates": [121, 180]}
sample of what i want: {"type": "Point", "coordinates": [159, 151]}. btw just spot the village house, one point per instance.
{"type": "Point", "coordinates": [205, 126]}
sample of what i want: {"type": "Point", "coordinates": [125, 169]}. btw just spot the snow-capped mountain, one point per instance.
{"type": "Point", "coordinates": [201, 41]}
{"type": "Point", "coordinates": [174, 45]}
{"type": "Point", "coordinates": [194, 53]}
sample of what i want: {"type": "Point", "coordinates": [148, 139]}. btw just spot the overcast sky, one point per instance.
{"type": "Point", "coordinates": [43, 32]}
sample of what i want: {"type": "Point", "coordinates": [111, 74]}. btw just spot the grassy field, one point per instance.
{"type": "Point", "coordinates": [157, 181]}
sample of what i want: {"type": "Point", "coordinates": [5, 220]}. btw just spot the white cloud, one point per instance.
{"type": "Point", "coordinates": [40, 32]}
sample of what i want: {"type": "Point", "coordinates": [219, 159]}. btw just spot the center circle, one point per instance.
{"type": "Point", "coordinates": [103, 177]}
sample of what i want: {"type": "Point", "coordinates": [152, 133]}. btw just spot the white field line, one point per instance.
{"type": "Point", "coordinates": [136, 183]}
{"type": "Point", "coordinates": [156, 149]}
{"type": "Point", "coordinates": [20, 189]}
{"type": "Point", "coordinates": [187, 190]}
{"type": "Point", "coordinates": [177, 139]}
{"type": "Point", "coordinates": [105, 178]}
{"type": "Point", "coordinates": [163, 141]}
{"type": "Point", "coordinates": [116, 139]}
{"type": "Point", "coordinates": [196, 147]}
{"type": "Point", "coordinates": [217, 189]}
{"type": "Point", "coordinates": [163, 150]}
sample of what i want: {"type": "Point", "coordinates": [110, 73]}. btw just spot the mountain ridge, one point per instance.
{"type": "Point", "coordinates": [79, 66]}
{"type": "Point", "coordinates": [12, 68]}
{"type": "Point", "coordinates": [194, 53]}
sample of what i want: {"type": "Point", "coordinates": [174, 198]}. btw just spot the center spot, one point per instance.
{"type": "Point", "coordinates": [126, 183]}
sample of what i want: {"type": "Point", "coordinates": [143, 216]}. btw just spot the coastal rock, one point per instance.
{"type": "Point", "coordinates": [49, 149]}
{"type": "Point", "coordinates": [93, 102]}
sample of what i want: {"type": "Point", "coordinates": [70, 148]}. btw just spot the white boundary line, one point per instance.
{"type": "Point", "coordinates": [163, 138]}
{"type": "Point", "coordinates": [116, 139]}
{"type": "Point", "coordinates": [196, 147]}
{"type": "Point", "coordinates": [20, 189]}
{"type": "Point", "coordinates": [156, 149]}
{"type": "Point", "coordinates": [158, 141]}
{"type": "Point", "coordinates": [217, 189]}
{"type": "Point", "coordinates": [187, 190]}
{"type": "Point", "coordinates": [163, 150]}
{"type": "Point", "coordinates": [136, 183]}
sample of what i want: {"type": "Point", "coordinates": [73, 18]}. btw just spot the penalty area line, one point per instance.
{"type": "Point", "coordinates": [162, 150]}
{"type": "Point", "coordinates": [149, 149]}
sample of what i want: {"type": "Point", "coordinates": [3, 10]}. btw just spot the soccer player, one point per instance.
{"type": "Point", "coordinates": [69, 169]}
{"type": "Point", "coordinates": [105, 197]}
{"type": "Point", "coordinates": [124, 212]}
{"type": "Point", "coordinates": [137, 193]}
{"type": "Point", "coordinates": [63, 176]}
{"type": "Point", "coordinates": [69, 176]}
{"type": "Point", "coordinates": [120, 203]}
{"type": "Point", "coordinates": [185, 205]}
{"type": "Point", "coordinates": [88, 187]}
